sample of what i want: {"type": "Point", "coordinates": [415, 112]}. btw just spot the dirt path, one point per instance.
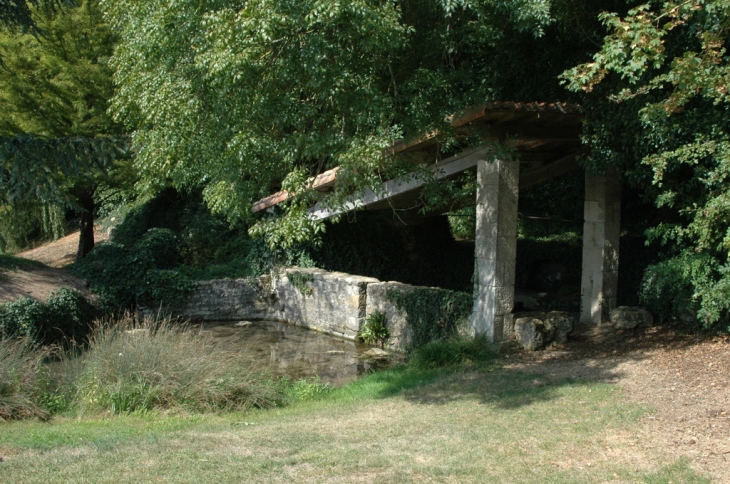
{"type": "Point", "coordinates": [684, 378]}
{"type": "Point", "coordinates": [39, 282]}
{"type": "Point", "coordinates": [61, 252]}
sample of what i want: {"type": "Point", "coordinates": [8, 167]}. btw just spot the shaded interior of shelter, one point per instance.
{"type": "Point", "coordinates": [421, 249]}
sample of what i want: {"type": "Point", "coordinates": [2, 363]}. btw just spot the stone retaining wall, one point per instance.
{"type": "Point", "coordinates": [332, 302]}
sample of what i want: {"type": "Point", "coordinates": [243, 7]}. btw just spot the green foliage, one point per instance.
{"type": "Point", "coordinates": [302, 282]}
{"type": "Point", "coordinates": [452, 353]}
{"type": "Point", "coordinates": [58, 145]}
{"type": "Point", "coordinates": [23, 223]}
{"type": "Point", "coordinates": [690, 290]}
{"type": "Point", "coordinates": [375, 330]}
{"type": "Point", "coordinates": [23, 318]}
{"type": "Point", "coordinates": [128, 276]}
{"type": "Point", "coordinates": [21, 372]}
{"type": "Point", "coordinates": [18, 14]}
{"type": "Point", "coordinates": [144, 365]}
{"type": "Point", "coordinates": [65, 316]}
{"type": "Point", "coordinates": [70, 316]}
{"type": "Point", "coordinates": [245, 101]}
{"type": "Point", "coordinates": [432, 314]}
{"type": "Point", "coordinates": [663, 69]}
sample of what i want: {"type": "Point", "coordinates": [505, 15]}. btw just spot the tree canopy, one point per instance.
{"type": "Point", "coordinates": [244, 99]}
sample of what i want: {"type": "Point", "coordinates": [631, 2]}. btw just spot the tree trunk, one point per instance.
{"type": "Point", "coordinates": [86, 225]}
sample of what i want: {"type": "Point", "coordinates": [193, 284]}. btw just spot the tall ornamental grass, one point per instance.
{"type": "Point", "coordinates": [133, 365]}
{"type": "Point", "coordinates": [21, 379]}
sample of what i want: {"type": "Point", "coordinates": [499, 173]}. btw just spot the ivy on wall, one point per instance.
{"type": "Point", "coordinates": [433, 314]}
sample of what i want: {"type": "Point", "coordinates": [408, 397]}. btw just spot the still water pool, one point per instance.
{"type": "Point", "coordinates": [287, 350]}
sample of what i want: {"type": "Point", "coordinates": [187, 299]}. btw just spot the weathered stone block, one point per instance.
{"type": "Point", "coordinates": [535, 330]}
{"type": "Point", "coordinates": [529, 333]}
{"type": "Point", "coordinates": [560, 324]}
{"type": "Point", "coordinates": [336, 304]}
{"type": "Point", "coordinates": [629, 317]}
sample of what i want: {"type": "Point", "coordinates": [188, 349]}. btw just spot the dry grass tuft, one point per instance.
{"type": "Point", "coordinates": [133, 365]}
{"type": "Point", "coordinates": [21, 372]}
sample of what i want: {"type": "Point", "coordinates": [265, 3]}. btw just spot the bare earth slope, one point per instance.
{"type": "Point", "coordinates": [41, 281]}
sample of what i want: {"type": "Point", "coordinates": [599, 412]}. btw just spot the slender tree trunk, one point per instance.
{"type": "Point", "coordinates": [86, 225]}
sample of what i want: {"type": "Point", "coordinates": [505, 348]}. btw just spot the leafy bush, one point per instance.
{"type": "Point", "coordinates": [144, 365]}
{"type": "Point", "coordinates": [23, 318]}
{"type": "Point", "coordinates": [452, 352]}
{"type": "Point", "coordinates": [690, 289]}
{"type": "Point", "coordinates": [70, 315]}
{"type": "Point", "coordinates": [65, 316]}
{"type": "Point", "coordinates": [159, 248]}
{"type": "Point", "coordinates": [125, 277]}
{"type": "Point", "coordinates": [21, 369]}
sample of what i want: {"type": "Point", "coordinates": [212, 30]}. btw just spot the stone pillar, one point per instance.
{"type": "Point", "coordinates": [601, 230]}
{"type": "Point", "coordinates": [495, 248]}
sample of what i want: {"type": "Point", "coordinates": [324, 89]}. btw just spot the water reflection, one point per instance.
{"type": "Point", "coordinates": [293, 351]}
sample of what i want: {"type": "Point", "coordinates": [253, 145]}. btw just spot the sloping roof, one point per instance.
{"type": "Point", "coordinates": [542, 132]}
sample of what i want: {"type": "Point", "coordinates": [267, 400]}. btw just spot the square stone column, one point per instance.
{"type": "Point", "coordinates": [495, 248]}
{"type": "Point", "coordinates": [601, 231]}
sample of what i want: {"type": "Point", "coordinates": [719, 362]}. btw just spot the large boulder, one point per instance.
{"type": "Point", "coordinates": [530, 333]}
{"type": "Point", "coordinates": [535, 330]}
{"type": "Point", "coordinates": [630, 317]}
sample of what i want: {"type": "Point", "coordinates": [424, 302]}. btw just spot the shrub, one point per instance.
{"type": "Point", "coordinates": [159, 248]}
{"type": "Point", "coordinates": [144, 365]}
{"type": "Point", "coordinates": [65, 316]}
{"type": "Point", "coordinates": [70, 315]}
{"type": "Point", "coordinates": [691, 289]}
{"type": "Point", "coordinates": [23, 318]}
{"type": "Point", "coordinates": [21, 372]}
{"type": "Point", "coordinates": [124, 277]}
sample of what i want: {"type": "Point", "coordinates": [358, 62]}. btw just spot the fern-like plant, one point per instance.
{"type": "Point", "coordinates": [375, 330]}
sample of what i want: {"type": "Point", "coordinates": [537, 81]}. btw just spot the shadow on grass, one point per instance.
{"type": "Point", "coordinates": [594, 355]}
{"type": "Point", "coordinates": [500, 387]}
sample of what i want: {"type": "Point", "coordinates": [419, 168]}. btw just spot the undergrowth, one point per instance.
{"type": "Point", "coordinates": [64, 317]}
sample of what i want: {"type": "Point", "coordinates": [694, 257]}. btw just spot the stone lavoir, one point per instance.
{"type": "Point", "coordinates": [338, 304]}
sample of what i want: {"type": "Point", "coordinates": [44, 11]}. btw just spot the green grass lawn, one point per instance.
{"type": "Point", "coordinates": [487, 425]}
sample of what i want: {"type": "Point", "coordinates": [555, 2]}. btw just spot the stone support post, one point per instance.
{"type": "Point", "coordinates": [495, 248]}
{"type": "Point", "coordinates": [601, 230]}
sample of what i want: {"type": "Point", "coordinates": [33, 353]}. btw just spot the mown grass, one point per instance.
{"type": "Point", "coordinates": [475, 423]}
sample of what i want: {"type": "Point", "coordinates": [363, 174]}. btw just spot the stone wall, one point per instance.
{"type": "Point", "coordinates": [396, 319]}
{"type": "Point", "coordinates": [332, 302]}
{"type": "Point", "coordinates": [228, 300]}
